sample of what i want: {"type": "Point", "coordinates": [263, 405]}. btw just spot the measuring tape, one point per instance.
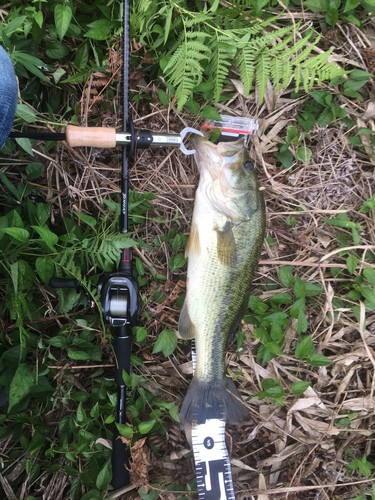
{"type": "Point", "coordinates": [212, 464]}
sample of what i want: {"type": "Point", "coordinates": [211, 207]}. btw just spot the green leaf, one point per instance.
{"type": "Point", "coordinates": [145, 427]}
{"type": "Point", "coordinates": [34, 170]}
{"type": "Point", "coordinates": [257, 305]}
{"type": "Point", "coordinates": [45, 267]}
{"type": "Point", "coordinates": [139, 266]}
{"type": "Point", "coordinates": [168, 22]}
{"type": "Point", "coordinates": [298, 306]}
{"type": "Point", "coordinates": [369, 274]}
{"type": "Point", "coordinates": [359, 74]}
{"type": "Point", "coordinates": [63, 16]}
{"type": "Point", "coordinates": [285, 157]}
{"type": "Point", "coordinates": [326, 117]}
{"type": "Point", "coordinates": [352, 93]}
{"type": "Point", "coordinates": [351, 263]}
{"type": "Point", "coordinates": [299, 288]}
{"type": "Point", "coordinates": [292, 132]}
{"type": "Point", "coordinates": [49, 238]}
{"type": "Point", "coordinates": [281, 298]}
{"type": "Point", "coordinates": [313, 289]}
{"type": "Point", "coordinates": [351, 4]}
{"type": "Point", "coordinates": [77, 355]}
{"type": "Point", "coordinates": [192, 106]}
{"type": "Point", "coordinates": [300, 387]}
{"type": "Point", "coordinates": [316, 5]}
{"type": "Point", "coordinates": [302, 322]}
{"type": "Point", "coordinates": [104, 476]}
{"type": "Point", "coordinates": [141, 334]}
{"type": "Point", "coordinates": [363, 130]}
{"type": "Point", "coordinates": [274, 348]}
{"type": "Point", "coordinates": [166, 342]}
{"type": "Point", "coordinates": [17, 233]}
{"type": "Point", "coordinates": [318, 360]}
{"type": "Point", "coordinates": [21, 384]}
{"type": "Point", "coordinates": [81, 414]}
{"type": "Point", "coordinates": [10, 186]}
{"type": "Point", "coordinates": [303, 347]}
{"type": "Point", "coordinates": [304, 154]}
{"type": "Point", "coordinates": [13, 25]}
{"type": "Point", "coordinates": [332, 13]}
{"type": "Point", "coordinates": [124, 430]}
{"type": "Point", "coordinates": [148, 494]}
{"type": "Point", "coordinates": [94, 413]}
{"type": "Point", "coordinates": [87, 219]}
{"type": "Point", "coordinates": [210, 113]}
{"type": "Point", "coordinates": [286, 277]}
{"type": "Point", "coordinates": [126, 378]}
{"type": "Point", "coordinates": [25, 113]}
{"type": "Point", "coordinates": [322, 97]}
{"type": "Point", "coordinates": [164, 99]}
{"type": "Point", "coordinates": [43, 212]}
{"type": "Point", "coordinates": [75, 487]}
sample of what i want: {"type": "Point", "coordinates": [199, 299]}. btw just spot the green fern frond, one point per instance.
{"type": "Point", "coordinates": [222, 57]}
{"type": "Point", "coordinates": [245, 61]}
{"type": "Point", "coordinates": [263, 69]}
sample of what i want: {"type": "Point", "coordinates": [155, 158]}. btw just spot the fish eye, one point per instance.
{"type": "Point", "coordinates": [248, 165]}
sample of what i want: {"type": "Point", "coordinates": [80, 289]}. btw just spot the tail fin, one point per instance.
{"type": "Point", "coordinates": [212, 399]}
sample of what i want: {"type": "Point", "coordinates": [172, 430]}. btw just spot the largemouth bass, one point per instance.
{"type": "Point", "coordinates": [224, 245]}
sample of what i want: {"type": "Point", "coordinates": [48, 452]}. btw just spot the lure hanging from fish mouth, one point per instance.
{"type": "Point", "coordinates": [224, 246]}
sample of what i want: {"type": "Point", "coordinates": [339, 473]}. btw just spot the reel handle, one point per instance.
{"type": "Point", "coordinates": [63, 283]}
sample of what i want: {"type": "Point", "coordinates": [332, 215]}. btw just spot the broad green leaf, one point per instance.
{"type": "Point", "coordinates": [332, 13]}
{"type": "Point", "coordinates": [352, 93]}
{"type": "Point", "coordinates": [10, 186]}
{"type": "Point", "coordinates": [104, 476]}
{"type": "Point", "coordinates": [285, 157]}
{"type": "Point", "coordinates": [49, 238]}
{"type": "Point", "coordinates": [56, 50]}
{"type": "Point", "coordinates": [22, 383]}
{"type": "Point", "coordinates": [163, 98]}
{"type": "Point", "coordinates": [43, 212]}
{"type": "Point", "coordinates": [303, 347]}
{"type": "Point", "coordinates": [300, 387]}
{"type": "Point", "coordinates": [25, 113]}
{"type": "Point", "coordinates": [82, 55]}
{"type": "Point", "coordinates": [94, 413]}
{"type": "Point", "coordinates": [281, 298]}
{"type": "Point", "coordinates": [318, 360]}
{"type": "Point", "coordinates": [302, 322]}
{"type": "Point", "coordinates": [286, 277]}
{"type": "Point", "coordinates": [148, 494]}
{"type": "Point", "coordinates": [87, 219]}
{"type": "Point", "coordinates": [304, 154]}
{"type": "Point", "coordinates": [14, 25]}
{"type": "Point", "coordinates": [313, 289]}
{"type": "Point", "coordinates": [192, 106]}
{"type": "Point", "coordinates": [63, 16]}
{"type": "Point", "coordinates": [299, 305]}
{"type": "Point", "coordinates": [126, 378]}
{"type": "Point", "coordinates": [141, 334]}
{"type": "Point", "coordinates": [210, 113]}
{"type": "Point", "coordinates": [124, 430]}
{"type": "Point", "coordinates": [292, 132]}
{"type": "Point", "coordinates": [326, 117]}
{"type": "Point", "coordinates": [274, 348]}
{"type": "Point", "coordinates": [81, 414]}
{"type": "Point", "coordinates": [369, 274]}
{"type": "Point", "coordinates": [351, 263]}
{"type": "Point", "coordinates": [145, 427]}
{"type": "Point", "coordinates": [364, 130]}
{"type": "Point", "coordinates": [139, 266]}
{"type": "Point", "coordinates": [75, 487]}
{"type": "Point", "coordinates": [367, 293]}
{"type": "Point", "coordinates": [25, 143]}
{"type": "Point", "coordinates": [322, 97]}
{"type": "Point", "coordinates": [257, 305]}
{"type": "Point", "coordinates": [359, 74]}
{"type": "Point", "coordinates": [34, 170]}
{"type": "Point", "coordinates": [38, 16]}
{"type": "Point", "coordinates": [77, 355]}
{"type": "Point", "coordinates": [45, 267]}
{"type": "Point", "coordinates": [351, 4]}
{"type": "Point", "coordinates": [299, 288]}
{"type": "Point", "coordinates": [168, 22]}
{"type": "Point", "coordinates": [262, 334]}
{"type": "Point", "coordinates": [166, 342]}
{"type": "Point", "coordinates": [17, 233]}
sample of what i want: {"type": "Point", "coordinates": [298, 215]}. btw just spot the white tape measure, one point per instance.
{"type": "Point", "coordinates": [212, 464]}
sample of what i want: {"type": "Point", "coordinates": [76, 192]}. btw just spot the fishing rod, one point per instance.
{"type": "Point", "coordinates": [119, 295]}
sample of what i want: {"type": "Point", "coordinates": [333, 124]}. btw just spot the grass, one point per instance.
{"type": "Point", "coordinates": [311, 426]}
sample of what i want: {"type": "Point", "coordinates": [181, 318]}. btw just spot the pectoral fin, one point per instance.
{"type": "Point", "coordinates": [193, 245]}
{"type": "Point", "coordinates": [226, 245]}
{"type": "Point", "coordinates": [186, 328]}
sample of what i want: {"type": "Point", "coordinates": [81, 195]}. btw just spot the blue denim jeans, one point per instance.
{"type": "Point", "coordinates": [8, 95]}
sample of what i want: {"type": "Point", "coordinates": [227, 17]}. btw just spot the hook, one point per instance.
{"type": "Point", "coordinates": [183, 134]}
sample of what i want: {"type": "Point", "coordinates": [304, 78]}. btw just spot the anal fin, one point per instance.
{"type": "Point", "coordinates": [186, 328]}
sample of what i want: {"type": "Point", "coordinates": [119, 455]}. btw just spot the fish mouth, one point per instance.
{"type": "Point", "coordinates": [215, 158]}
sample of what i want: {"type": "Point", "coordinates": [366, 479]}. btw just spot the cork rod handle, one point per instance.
{"type": "Point", "coordinates": [96, 137]}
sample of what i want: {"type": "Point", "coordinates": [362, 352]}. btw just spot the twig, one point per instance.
{"type": "Point", "coordinates": [271, 262]}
